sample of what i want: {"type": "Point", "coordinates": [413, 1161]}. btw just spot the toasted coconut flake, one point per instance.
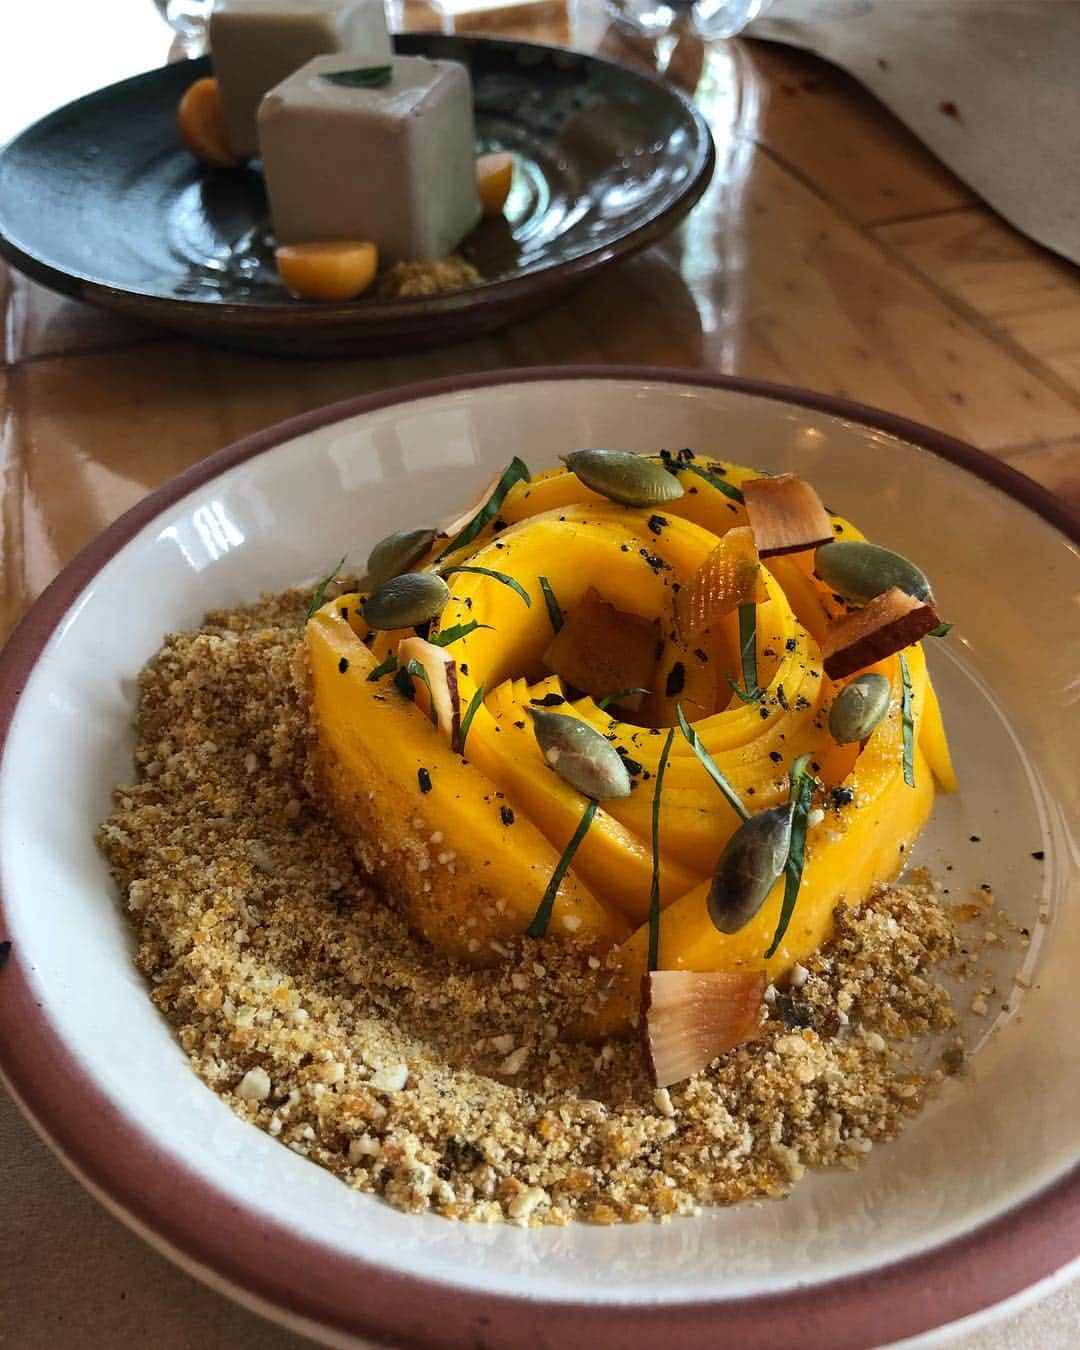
{"type": "Point", "coordinates": [441, 670]}
{"type": "Point", "coordinates": [888, 624]}
{"type": "Point", "coordinates": [690, 1017]}
{"type": "Point", "coordinates": [457, 523]}
{"type": "Point", "coordinates": [786, 515]}
{"type": "Point", "coordinates": [729, 577]}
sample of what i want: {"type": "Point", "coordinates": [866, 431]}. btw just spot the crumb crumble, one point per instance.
{"type": "Point", "coordinates": [406, 279]}
{"type": "Point", "coordinates": [301, 996]}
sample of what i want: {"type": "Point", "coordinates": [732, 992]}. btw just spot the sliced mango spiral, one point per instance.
{"type": "Point", "coordinates": [468, 841]}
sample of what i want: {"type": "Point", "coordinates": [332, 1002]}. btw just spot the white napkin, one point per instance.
{"type": "Point", "coordinates": [991, 86]}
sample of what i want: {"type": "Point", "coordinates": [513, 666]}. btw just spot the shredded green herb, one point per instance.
{"type": "Point", "coordinates": [555, 614]}
{"type": "Point", "coordinates": [320, 590]}
{"type": "Point", "coordinates": [654, 894]}
{"type": "Point", "coordinates": [734, 800]}
{"type": "Point", "coordinates": [516, 472]}
{"type": "Point", "coordinates": [403, 683]}
{"type": "Point", "coordinates": [802, 792]}
{"type": "Point", "coordinates": [908, 723]}
{"type": "Point", "coordinates": [417, 670]}
{"type": "Point", "coordinates": [364, 77]}
{"type": "Point", "coordinates": [728, 489]}
{"type": "Point", "coordinates": [539, 926]}
{"type": "Point", "coordinates": [618, 696]}
{"type": "Point", "coordinates": [496, 576]}
{"type": "Point", "coordinates": [748, 691]}
{"type": "Point", "coordinates": [445, 636]}
{"type": "Point", "coordinates": [470, 713]}
{"type": "Point", "coordinates": [384, 667]}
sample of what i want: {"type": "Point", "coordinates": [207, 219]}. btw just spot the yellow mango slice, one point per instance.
{"type": "Point", "coordinates": [851, 849]}
{"type": "Point", "coordinates": [466, 877]}
{"type": "Point", "coordinates": [482, 880]}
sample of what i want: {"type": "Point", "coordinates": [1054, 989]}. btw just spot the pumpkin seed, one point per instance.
{"type": "Point", "coordinates": [396, 554]}
{"type": "Point", "coordinates": [403, 602]}
{"type": "Point", "coordinates": [859, 571]}
{"type": "Point", "coordinates": [623, 477]}
{"type": "Point", "coordinates": [859, 707]}
{"type": "Point", "coordinates": [580, 755]}
{"type": "Point", "coordinates": [749, 868]}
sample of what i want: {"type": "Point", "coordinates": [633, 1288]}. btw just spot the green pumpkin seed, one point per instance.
{"type": "Point", "coordinates": [580, 755]}
{"type": "Point", "coordinates": [859, 571]}
{"type": "Point", "coordinates": [749, 868]}
{"type": "Point", "coordinates": [623, 477]}
{"type": "Point", "coordinates": [396, 554]}
{"type": "Point", "coordinates": [859, 707]}
{"type": "Point", "coordinates": [403, 602]}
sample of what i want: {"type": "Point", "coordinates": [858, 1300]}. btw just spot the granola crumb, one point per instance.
{"type": "Point", "coordinates": [301, 996]}
{"type": "Point", "coordinates": [427, 278]}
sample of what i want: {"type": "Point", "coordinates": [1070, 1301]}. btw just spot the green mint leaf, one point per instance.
{"type": "Point", "coordinates": [496, 576]}
{"type": "Point", "coordinates": [320, 590]}
{"type": "Point", "coordinates": [445, 636]}
{"type": "Point", "coordinates": [734, 800]}
{"type": "Point", "coordinates": [516, 472]}
{"type": "Point", "coordinates": [384, 667]}
{"type": "Point", "coordinates": [555, 614]}
{"type": "Point", "coordinates": [908, 723]}
{"type": "Point", "coordinates": [470, 713]}
{"type": "Point", "coordinates": [654, 893]}
{"type": "Point", "coordinates": [802, 792]}
{"type": "Point", "coordinates": [363, 77]}
{"type": "Point", "coordinates": [539, 926]}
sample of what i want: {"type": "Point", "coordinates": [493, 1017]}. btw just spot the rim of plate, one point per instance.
{"type": "Point", "coordinates": [267, 1264]}
{"type": "Point", "coordinates": [487, 294]}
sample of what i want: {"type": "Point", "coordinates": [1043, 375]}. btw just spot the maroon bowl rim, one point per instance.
{"type": "Point", "coordinates": [301, 1278]}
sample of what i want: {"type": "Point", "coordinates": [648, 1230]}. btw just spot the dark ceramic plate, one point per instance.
{"type": "Point", "coordinates": [99, 200]}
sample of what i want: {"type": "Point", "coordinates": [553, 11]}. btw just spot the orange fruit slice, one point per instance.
{"type": "Point", "coordinates": [494, 174]}
{"type": "Point", "coordinates": [200, 119]}
{"type": "Point", "coordinates": [336, 270]}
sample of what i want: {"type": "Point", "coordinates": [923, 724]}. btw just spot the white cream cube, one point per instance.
{"type": "Point", "coordinates": [255, 44]}
{"type": "Point", "coordinates": [395, 165]}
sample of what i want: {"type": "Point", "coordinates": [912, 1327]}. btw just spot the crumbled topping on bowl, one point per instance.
{"type": "Point", "coordinates": [302, 997]}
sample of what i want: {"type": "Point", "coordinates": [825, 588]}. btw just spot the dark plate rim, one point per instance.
{"type": "Point", "coordinates": [361, 316]}
{"type": "Point", "coordinates": [293, 1277]}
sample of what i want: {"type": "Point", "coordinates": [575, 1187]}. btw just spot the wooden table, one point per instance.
{"type": "Point", "coordinates": [831, 251]}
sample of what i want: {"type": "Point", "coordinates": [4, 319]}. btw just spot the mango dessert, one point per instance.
{"type": "Point", "coordinates": [664, 711]}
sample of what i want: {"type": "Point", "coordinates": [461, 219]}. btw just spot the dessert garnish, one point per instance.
{"type": "Point", "coordinates": [786, 515]}
{"type": "Point", "coordinates": [689, 1018]}
{"type": "Point", "coordinates": [464, 528]}
{"type": "Point", "coordinates": [200, 119]}
{"type": "Point", "coordinates": [406, 600]}
{"type": "Point", "coordinates": [884, 626]}
{"type": "Point", "coordinates": [332, 271]}
{"type": "Point", "coordinates": [859, 570]}
{"type": "Point", "coordinates": [494, 177]}
{"type": "Point", "coordinates": [859, 707]}
{"type": "Point", "coordinates": [319, 594]}
{"type": "Point", "coordinates": [397, 553]}
{"type": "Point", "coordinates": [363, 77]}
{"type": "Point", "coordinates": [555, 614]}
{"type": "Point", "coordinates": [624, 477]}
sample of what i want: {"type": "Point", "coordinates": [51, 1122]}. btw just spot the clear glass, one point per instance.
{"type": "Point", "coordinates": [189, 20]}
{"type": "Point", "coordinates": [709, 18]}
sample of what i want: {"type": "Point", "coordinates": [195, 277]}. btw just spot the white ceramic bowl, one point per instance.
{"type": "Point", "coordinates": [980, 1197]}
